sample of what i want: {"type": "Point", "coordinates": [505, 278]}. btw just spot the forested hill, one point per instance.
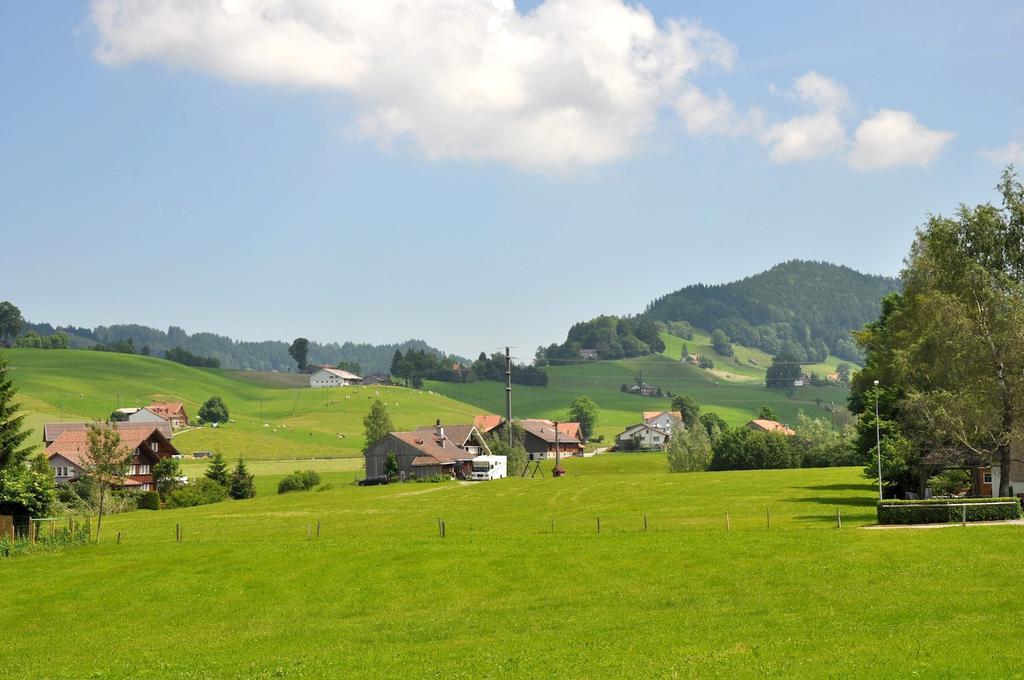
{"type": "Point", "coordinates": [806, 309]}
{"type": "Point", "coordinates": [267, 355]}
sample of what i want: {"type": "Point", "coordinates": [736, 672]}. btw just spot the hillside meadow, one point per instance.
{"type": "Point", "coordinates": [296, 422]}
{"type": "Point", "coordinates": [303, 423]}
{"type": "Point", "coordinates": [736, 401]}
{"type": "Point", "coordinates": [523, 584]}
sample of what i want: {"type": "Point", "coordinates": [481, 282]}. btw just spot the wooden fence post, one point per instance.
{"type": "Point", "coordinates": [839, 520]}
{"type": "Point", "coordinates": [598, 525]}
{"type": "Point", "coordinates": [119, 538]}
{"type": "Point", "coordinates": [645, 521]}
{"type": "Point", "coordinates": [728, 522]}
{"type": "Point", "coordinates": [318, 528]}
{"type": "Point", "coordinates": [768, 515]}
{"type": "Point", "coordinates": [552, 525]}
{"type": "Point", "coordinates": [964, 508]}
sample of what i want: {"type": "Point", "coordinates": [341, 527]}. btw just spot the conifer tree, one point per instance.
{"type": "Point", "coordinates": [218, 470]}
{"type": "Point", "coordinates": [242, 483]}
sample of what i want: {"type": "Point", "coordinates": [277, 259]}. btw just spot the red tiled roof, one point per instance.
{"type": "Point", "coordinates": [53, 430]}
{"type": "Point", "coordinates": [487, 422]}
{"type": "Point", "coordinates": [167, 409]}
{"type": "Point", "coordinates": [771, 426]}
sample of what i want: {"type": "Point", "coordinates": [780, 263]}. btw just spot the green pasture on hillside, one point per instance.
{"type": "Point", "coordinates": [728, 368]}
{"type": "Point", "coordinates": [379, 593]}
{"type": "Point", "coordinates": [736, 402]}
{"type": "Point", "coordinates": [296, 422]}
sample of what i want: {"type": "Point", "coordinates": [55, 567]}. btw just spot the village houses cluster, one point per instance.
{"type": "Point", "coordinates": [145, 431]}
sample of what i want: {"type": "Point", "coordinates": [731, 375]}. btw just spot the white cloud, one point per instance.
{"type": "Point", "coordinates": [813, 135]}
{"type": "Point", "coordinates": [823, 93]}
{"type": "Point", "coordinates": [572, 82]}
{"type": "Point", "coordinates": [895, 138]}
{"type": "Point", "coordinates": [1013, 152]}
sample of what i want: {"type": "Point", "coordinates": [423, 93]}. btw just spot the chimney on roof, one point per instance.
{"type": "Point", "coordinates": [439, 431]}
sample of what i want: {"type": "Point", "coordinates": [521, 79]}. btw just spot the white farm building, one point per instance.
{"type": "Point", "coordinates": [333, 377]}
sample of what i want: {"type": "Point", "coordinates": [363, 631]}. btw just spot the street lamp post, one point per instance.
{"type": "Point", "coordinates": [878, 443]}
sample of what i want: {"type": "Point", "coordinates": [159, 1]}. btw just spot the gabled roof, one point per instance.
{"type": "Point", "coordinates": [167, 409]}
{"type": "Point", "coordinates": [435, 450]}
{"type": "Point", "coordinates": [487, 422]}
{"type": "Point", "coordinates": [568, 433]}
{"type": "Point", "coordinates": [74, 444]}
{"type": "Point", "coordinates": [344, 375]}
{"type": "Point", "coordinates": [53, 430]}
{"type": "Point", "coordinates": [632, 429]}
{"type": "Point", "coordinates": [771, 426]}
{"type": "Point", "coordinates": [456, 434]}
{"type": "Point", "coordinates": [650, 415]}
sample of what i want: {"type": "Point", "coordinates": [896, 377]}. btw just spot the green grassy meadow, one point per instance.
{"type": "Point", "coordinates": [379, 593]}
{"type": "Point", "coordinates": [736, 401]}
{"type": "Point", "coordinates": [298, 423]}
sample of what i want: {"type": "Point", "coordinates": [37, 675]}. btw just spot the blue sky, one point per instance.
{"type": "Point", "coordinates": [471, 174]}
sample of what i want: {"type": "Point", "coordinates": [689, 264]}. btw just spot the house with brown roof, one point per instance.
{"type": "Point", "coordinates": [540, 438]}
{"type": "Point", "coordinates": [428, 451]}
{"type": "Point", "coordinates": [53, 430]}
{"type": "Point", "coordinates": [67, 455]}
{"type": "Point", "coordinates": [171, 411]}
{"type": "Point", "coordinates": [763, 425]}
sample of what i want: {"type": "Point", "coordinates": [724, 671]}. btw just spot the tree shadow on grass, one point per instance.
{"type": "Point", "coordinates": [858, 501]}
{"type": "Point", "coordinates": [866, 486]}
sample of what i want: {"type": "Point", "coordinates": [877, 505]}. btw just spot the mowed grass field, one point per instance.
{"type": "Point", "coordinates": [297, 422]}
{"type": "Point", "coordinates": [380, 594]}
{"type": "Point", "coordinates": [736, 401]}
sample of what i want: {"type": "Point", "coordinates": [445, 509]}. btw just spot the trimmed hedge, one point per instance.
{"type": "Point", "coordinates": [945, 510]}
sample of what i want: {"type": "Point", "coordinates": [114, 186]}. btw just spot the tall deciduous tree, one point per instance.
{"type": "Point", "coordinates": [584, 411]}
{"type": "Point", "coordinates": [689, 450]}
{"type": "Point", "coordinates": [687, 407]}
{"type": "Point", "coordinates": [377, 424]}
{"type": "Point", "coordinates": [959, 334]}
{"type": "Point", "coordinates": [105, 462]}
{"type": "Point", "coordinates": [214, 410]}
{"type": "Point", "coordinates": [11, 322]}
{"type": "Point", "coordinates": [299, 351]}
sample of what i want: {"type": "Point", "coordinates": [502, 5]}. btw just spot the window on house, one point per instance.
{"type": "Point", "coordinates": [155, 446]}
{"type": "Point", "coordinates": [988, 477]}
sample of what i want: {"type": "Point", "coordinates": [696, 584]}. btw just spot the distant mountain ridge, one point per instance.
{"type": "Point", "coordinates": [801, 308]}
{"type": "Point", "coordinates": [267, 355]}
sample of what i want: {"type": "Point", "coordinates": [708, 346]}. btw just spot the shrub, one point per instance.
{"type": "Point", "coordinates": [300, 480]}
{"type": "Point", "coordinates": [148, 500]}
{"type": "Point", "coordinates": [743, 449]}
{"type": "Point", "coordinates": [951, 482]}
{"type": "Point", "coordinates": [202, 491]}
{"type": "Point", "coordinates": [939, 511]}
